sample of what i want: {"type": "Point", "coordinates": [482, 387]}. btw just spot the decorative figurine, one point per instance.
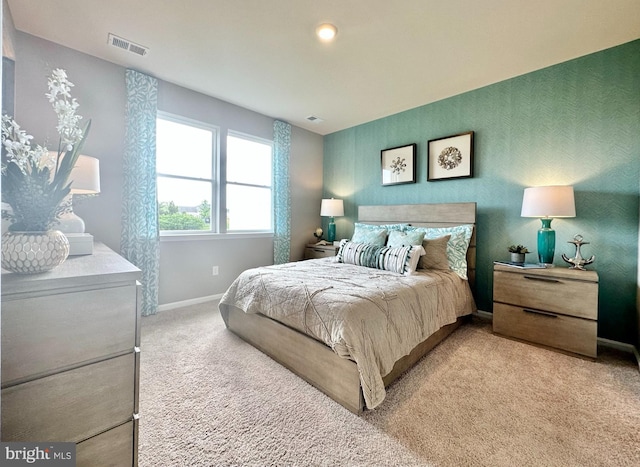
{"type": "Point", "coordinates": [318, 233]}
{"type": "Point", "coordinates": [578, 261]}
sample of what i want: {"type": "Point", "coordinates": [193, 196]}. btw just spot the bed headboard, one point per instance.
{"type": "Point", "coordinates": [428, 215]}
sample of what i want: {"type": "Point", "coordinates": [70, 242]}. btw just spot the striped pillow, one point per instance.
{"type": "Point", "coordinates": [402, 260]}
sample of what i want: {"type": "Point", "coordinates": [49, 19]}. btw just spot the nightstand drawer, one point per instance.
{"type": "Point", "coordinates": [554, 330]}
{"type": "Point", "coordinates": [547, 292]}
{"type": "Point", "coordinates": [324, 251]}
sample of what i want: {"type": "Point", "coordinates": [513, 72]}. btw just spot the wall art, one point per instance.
{"type": "Point", "coordinates": [398, 165]}
{"type": "Point", "coordinates": [450, 157]}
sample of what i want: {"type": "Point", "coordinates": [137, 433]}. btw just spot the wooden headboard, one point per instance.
{"type": "Point", "coordinates": [428, 215]}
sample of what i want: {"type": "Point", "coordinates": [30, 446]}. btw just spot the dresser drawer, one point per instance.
{"type": "Point", "coordinates": [72, 405]}
{"type": "Point", "coordinates": [113, 448]}
{"type": "Point", "coordinates": [41, 335]}
{"type": "Point", "coordinates": [547, 292]}
{"type": "Point", "coordinates": [554, 330]}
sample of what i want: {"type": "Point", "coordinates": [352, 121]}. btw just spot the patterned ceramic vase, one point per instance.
{"type": "Point", "coordinates": [33, 252]}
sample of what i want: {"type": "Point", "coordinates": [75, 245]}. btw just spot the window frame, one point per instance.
{"type": "Point", "coordinates": [255, 139]}
{"type": "Point", "coordinates": [214, 225]}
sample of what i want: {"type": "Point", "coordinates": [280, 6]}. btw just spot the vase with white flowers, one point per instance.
{"type": "Point", "coordinates": [36, 185]}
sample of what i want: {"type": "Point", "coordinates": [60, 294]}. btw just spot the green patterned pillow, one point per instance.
{"type": "Point", "coordinates": [403, 260]}
{"type": "Point", "coordinates": [402, 238]}
{"type": "Point", "coordinates": [456, 246]}
{"type": "Point", "coordinates": [374, 234]}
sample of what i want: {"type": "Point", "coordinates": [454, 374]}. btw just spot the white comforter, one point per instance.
{"type": "Point", "coordinates": [371, 316]}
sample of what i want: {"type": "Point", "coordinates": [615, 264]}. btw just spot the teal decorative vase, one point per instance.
{"type": "Point", "coordinates": [331, 231]}
{"type": "Point", "coordinates": [546, 242]}
{"type": "Point", "coordinates": [33, 252]}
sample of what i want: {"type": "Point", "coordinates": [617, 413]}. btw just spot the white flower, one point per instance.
{"type": "Point", "coordinates": [35, 181]}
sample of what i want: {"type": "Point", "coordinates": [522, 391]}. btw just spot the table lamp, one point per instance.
{"type": "Point", "coordinates": [85, 180]}
{"type": "Point", "coordinates": [331, 208]}
{"type": "Point", "coordinates": [547, 202]}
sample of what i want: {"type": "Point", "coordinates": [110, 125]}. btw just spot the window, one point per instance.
{"type": "Point", "coordinates": [186, 161]}
{"type": "Point", "coordinates": [248, 186]}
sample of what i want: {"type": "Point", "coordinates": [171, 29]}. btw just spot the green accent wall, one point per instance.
{"type": "Point", "coordinates": [576, 123]}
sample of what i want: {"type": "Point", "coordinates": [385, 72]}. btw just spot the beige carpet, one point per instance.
{"type": "Point", "coordinates": [208, 398]}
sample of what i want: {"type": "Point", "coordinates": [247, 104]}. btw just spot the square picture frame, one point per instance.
{"type": "Point", "coordinates": [398, 165]}
{"type": "Point", "coordinates": [450, 157]}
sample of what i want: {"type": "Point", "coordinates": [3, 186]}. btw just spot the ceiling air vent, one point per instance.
{"type": "Point", "coordinates": [314, 119]}
{"type": "Point", "coordinates": [127, 45]}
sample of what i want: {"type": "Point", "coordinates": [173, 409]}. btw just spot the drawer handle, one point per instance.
{"type": "Point", "coordinates": [543, 279]}
{"type": "Point", "coordinates": [538, 312]}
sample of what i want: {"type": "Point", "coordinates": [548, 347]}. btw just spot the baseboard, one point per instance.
{"type": "Point", "coordinates": [192, 301]}
{"type": "Point", "coordinates": [621, 346]}
{"type": "Point", "coordinates": [485, 315]}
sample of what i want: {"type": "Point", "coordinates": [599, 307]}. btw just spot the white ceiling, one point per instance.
{"type": "Point", "coordinates": [389, 55]}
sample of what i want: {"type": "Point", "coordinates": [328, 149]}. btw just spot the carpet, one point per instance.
{"type": "Point", "coordinates": [209, 399]}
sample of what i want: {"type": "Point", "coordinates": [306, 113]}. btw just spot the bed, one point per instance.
{"type": "Point", "coordinates": [348, 330]}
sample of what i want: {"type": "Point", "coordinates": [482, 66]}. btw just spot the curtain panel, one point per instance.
{"type": "Point", "coordinates": [140, 239]}
{"type": "Point", "coordinates": [281, 193]}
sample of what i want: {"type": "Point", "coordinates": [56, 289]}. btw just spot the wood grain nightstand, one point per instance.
{"type": "Point", "coordinates": [320, 251]}
{"type": "Point", "coordinates": [554, 307]}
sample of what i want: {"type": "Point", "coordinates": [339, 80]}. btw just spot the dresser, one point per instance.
{"type": "Point", "coordinates": [71, 357]}
{"type": "Point", "coordinates": [554, 307]}
{"type": "Point", "coordinates": [320, 251]}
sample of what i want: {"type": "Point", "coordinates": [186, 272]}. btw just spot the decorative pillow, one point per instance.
{"type": "Point", "coordinates": [402, 238]}
{"type": "Point", "coordinates": [371, 233]}
{"type": "Point", "coordinates": [456, 246]}
{"type": "Point", "coordinates": [403, 260]}
{"type": "Point", "coordinates": [376, 237]}
{"type": "Point", "coordinates": [435, 254]}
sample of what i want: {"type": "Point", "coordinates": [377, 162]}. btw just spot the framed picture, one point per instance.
{"type": "Point", "coordinates": [398, 165]}
{"type": "Point", "coordinates": [450, 157]}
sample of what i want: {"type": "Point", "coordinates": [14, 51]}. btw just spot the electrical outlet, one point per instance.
{"type": "Point", "coordinates": [214, 271]}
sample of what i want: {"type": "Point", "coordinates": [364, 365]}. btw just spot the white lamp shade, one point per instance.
{"type": "Point", "coordinates": [85, 176]}
{"type": "Point", "coordinates": [548, 201]}
{"type": "Point", "coordinates": [332, 207]}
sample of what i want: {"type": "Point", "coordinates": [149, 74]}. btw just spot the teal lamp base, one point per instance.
{"type": "Point", "coordinates": [331, 231]}
{"type": "Point", "coordinates": [546, 242]}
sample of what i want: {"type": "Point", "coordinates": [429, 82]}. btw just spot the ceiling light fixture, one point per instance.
{"type": "Point", "coordinates": [326, 32]}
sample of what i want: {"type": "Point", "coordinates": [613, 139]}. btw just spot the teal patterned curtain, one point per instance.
{"type": "Point", "coordinates": [139, 240]}
{"type": "Point", "coordinates": [281, 192]}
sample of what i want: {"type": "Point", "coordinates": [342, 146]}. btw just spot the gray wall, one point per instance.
{"type": "Point", "coordinates": [185, 266]}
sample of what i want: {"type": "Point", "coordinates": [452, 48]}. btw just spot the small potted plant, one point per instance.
{"type": "Point", "coordinates": [517, 253]}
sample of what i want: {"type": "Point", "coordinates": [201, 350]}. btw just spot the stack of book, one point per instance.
{"type": "Point", "coordinates": [522, 265]}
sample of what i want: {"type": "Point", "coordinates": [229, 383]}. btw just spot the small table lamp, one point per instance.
{"type": "Point", "coordinates": [548, 202]}
{"type": "Point", "coordinates": [331, 207]}
{"type": "Point", "coordinates": [85, 180]}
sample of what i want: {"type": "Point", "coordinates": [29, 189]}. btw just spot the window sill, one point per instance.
{"type": "Point", "coordinates": [181, 237]}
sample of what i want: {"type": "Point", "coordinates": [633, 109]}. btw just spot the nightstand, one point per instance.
{"type": "Point", "coordinates": [320, 251]}
{"type": "Point", "coordinates": [554, 307]}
